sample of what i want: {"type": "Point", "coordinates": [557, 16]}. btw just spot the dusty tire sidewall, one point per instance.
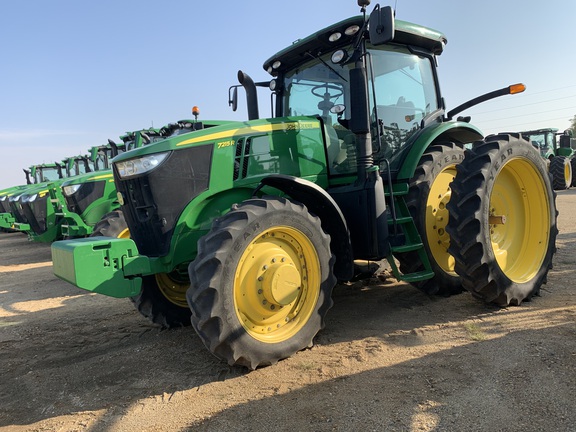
{"type": "Point", "coordinates": [242, 241]}
{"type": "Point", "coordinates": [506, 153]}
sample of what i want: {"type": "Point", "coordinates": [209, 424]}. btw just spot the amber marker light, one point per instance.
{"type": "Point", "coordinates": [517, 88]}
{"type": "Point", "coordinates": [195, 111]}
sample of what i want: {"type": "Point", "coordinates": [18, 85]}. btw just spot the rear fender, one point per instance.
{"type": "Point", "coordinates": [457, 132]}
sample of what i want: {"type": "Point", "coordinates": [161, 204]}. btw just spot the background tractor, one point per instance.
{"type": "Point", "coordinates": [37, 178]}
{"type": "Point", "coordinates": [244, 228]}
{"type": "Point", "coordinates": [558, 150]}
{"type": "Point", "coordinates": [40, 219]}
{"type": "Point", "coordinates": [81, 201]}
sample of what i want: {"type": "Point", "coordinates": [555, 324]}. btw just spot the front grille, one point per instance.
{"type": "Point", "coordinates": [154, 201]}
{"type": "Point", "coordinates": [16, 210]}
{"type": "Point", "coordinates": [5, 206]}
{"type": "Point", "coordinates": [84, 196]}
{"type": "Point", "coordinates": [35, 212]}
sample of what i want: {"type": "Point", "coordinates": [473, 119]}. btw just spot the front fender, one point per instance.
{"type": "Point", "coordinates": [319, 202]}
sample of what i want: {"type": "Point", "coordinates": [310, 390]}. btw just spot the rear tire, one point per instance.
{"type": "Point", "coordinates": [261, 283]}
{"type": "Point", "coordinates": [561, 171]}
{"type": "Point", "coordinates": [502, 222]}
{"type": "Point", "coordinates": [162, 299]}
{"type": "Point", "coordinates": [573, 165]}
{"type": "Point", "coordinates": [427, 198]}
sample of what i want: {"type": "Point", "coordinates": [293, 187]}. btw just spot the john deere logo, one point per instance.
{"type": "Point", "coordinates": [120, 198]}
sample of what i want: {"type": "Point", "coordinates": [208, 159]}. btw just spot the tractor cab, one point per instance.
{"type": "Point", "coordinates": [47, 172]}
{"type": "Point", "coordinates": [136, 139]}
{"type": "Point", "coordinates": [101, 155]}
{"type": "Point", "coordinates": [544, 140]}
{"type": "Point", "coordinates": [76, 165]}
{"type": "Point", "coordinates": [318, 76]}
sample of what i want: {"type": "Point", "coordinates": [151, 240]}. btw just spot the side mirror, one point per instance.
{"type": "Point", "coordinates": [233, 97]}
{"type": "Point", "coordinates": [381, 25]}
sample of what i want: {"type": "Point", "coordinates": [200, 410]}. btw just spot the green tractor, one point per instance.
{"type": "Point", "coordinates": [243, 229]}
{"type": "Point", "coordinates": [40, 218]}
{"type": "Point", "coordinates": [558, 150]}
{"type": "Point", "coordinates": [38, 176]}
{"type": "Point", "coordinates": [81, 201]}
{"type": "Point", "coordinates": [6, 218]}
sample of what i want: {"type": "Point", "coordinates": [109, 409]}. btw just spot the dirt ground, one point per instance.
{"type": "Point", "coordinates": [390, 359]}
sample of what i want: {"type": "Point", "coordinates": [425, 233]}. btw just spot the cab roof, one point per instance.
{"type": "Point", "coordinates": [318, 43]}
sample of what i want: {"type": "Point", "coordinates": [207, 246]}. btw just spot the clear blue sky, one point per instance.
{"type": "Point", "coordinates": [75, 73]}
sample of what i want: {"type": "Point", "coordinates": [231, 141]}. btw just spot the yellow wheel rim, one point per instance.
{"type": "Point", "coordinates": [173, 286]}
{"type": "Point", "coordinates": [519, 220]}
{"type": "Point", "coordinates": [437, 219]}
{"type": "Point", "coordinates": [568, 173]}
{"type": "Point", "coordinates": [277, 284]}
{"type": "Point", "coordinates": [125, 233]}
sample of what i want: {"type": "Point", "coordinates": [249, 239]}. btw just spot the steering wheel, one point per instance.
{"type": "Point", "coordinates": [326, 104]}
{"type": "Point", "coordinates": [326, 94]}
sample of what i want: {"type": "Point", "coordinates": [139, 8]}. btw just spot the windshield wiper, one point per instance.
{"type": "Point", "coordinates": [326, 64]}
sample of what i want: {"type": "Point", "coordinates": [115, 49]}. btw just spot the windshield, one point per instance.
{"type": "Point", "coordinates": [82, 166]}
{"type": "Point", "coordinates": [405, 92]}
{"type": "Point", "coordinates": [44, 174]}
{"type": "Point", "coordinates": [542, 140]}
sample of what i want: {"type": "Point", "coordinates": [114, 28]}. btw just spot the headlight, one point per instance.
{"type": "Point", "coordinates": [339, 56]}
{"type": "Point", "coordinates": [70, 189]}
{"type": "Point", "coordinates": [137, 166]}
{"type": "Point", "coordinates": [30, 198]}
{"type": "Point", "coordinates": [3, 198]}
{"type": "Point", "coordinates": [14, 198]}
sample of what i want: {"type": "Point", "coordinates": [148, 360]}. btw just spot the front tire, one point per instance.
{"type": "Point", "coordinates": [427, 198]}
{"type": "Point", "coordinates": [112, 224]}
{"type": "Point", "coordinates": [502, 220]}
{"type": "Point", "coordinates": [261, 283]}
{"type": "Point", "coordinates": [163, 299]}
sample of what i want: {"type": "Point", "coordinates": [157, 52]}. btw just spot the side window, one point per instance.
{"type": "Point", "coordinates": [405, 94]}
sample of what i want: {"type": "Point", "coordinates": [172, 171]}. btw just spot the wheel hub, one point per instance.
{"type": "Point", "coordinates": [281, 283]}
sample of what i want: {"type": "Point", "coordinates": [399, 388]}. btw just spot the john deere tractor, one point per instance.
{"type": "Point", "coordinates": [81, 201]}
{"type": "Point", "coordinates": [40, 219]}
{"type": "Point", "coordinates": [9, 198]}
{"type": "Point", "coordinates": [37, 178]}
{"type": "Point", "coordinates": [243, 229]}
{"type": "Point", "coordinates": [557, 149]}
